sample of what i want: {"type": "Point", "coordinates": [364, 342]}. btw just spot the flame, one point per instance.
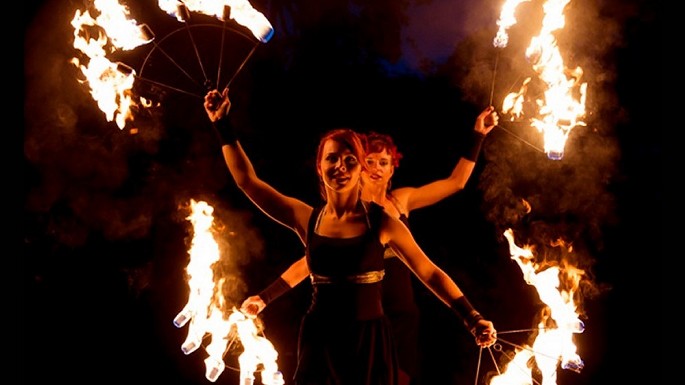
{"type": "Point", "coordinates": [562, 104]}
{"type": "Point", "coordinates": [205, 317]}
{"type": "Point", "coordinates": [553, 344]}
{"type": "Point", "coordinates": [506, 20]}
{"type": "Point", "coordinates": [110, 83]}
{"type": "Point", "coordinates": [240, 10]}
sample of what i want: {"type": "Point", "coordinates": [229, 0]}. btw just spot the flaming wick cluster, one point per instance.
{"type": "Point", "coordinates": [562, 104]}
{"type": "Point", "coordinates": [111, 83]}
{"type": "Point", "coordinates": [204, 316]}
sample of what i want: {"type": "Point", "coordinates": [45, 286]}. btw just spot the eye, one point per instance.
{"type": "Point", "coordinates": [370, 161]}
{"type": "Point", "coordinates": [384, 162]}
{"type": "Point", "coordinates": [332, 158]}
{"type": "Point", "coordinates": [351, 161]}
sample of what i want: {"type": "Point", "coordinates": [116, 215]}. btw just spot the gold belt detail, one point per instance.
{"type": "Point", "coordinates": [368, 277]}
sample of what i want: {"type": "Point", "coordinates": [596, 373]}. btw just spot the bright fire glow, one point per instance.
{"type": "Point", "coordinates": [240, 10]}
{"type": "Point", "coordinates": [204, 315]}
{"type": "Point", "coordinates": [109, 86]}
{"type": "Point", "coordinates": [507, 18]}
{"type": "Point", "coordinates": [553, 343]}
{"type": "Point", "coordinates": [561, 105]}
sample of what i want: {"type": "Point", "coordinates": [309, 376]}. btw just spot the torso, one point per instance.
{"type": "Point", "coordinates": [342, 257]}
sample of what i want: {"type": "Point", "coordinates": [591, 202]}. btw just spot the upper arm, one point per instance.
{"type": "Point", "coordinates": [285, 210]}
{"type": "Point", "coordinates": [399, 238]}
{"type": "Point", "coordinates": [433, 192]}
{"type": "Point", "coordinates": [396, 235]}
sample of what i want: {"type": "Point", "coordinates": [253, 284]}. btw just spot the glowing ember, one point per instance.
{"type": "Point", "coordinates": [553, 344]}
{"type": "Point", "coordinates": [109, 86]}
{"type": "Point", "coordinates": [240, 10]}
{"type": "Point", "coordinates": [204, 315]}
{"type": "Point", "coordinates": [562, 102]}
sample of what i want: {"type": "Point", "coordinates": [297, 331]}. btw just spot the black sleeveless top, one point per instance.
{"type": "Point", "coordinates": [345, 339]}
{"type": "Point", "coordinates": [341, 262]}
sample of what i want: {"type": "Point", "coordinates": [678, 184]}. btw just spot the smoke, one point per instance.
{"type": "Point", "coordinates": [541, 199]}
{"type": "Point", "coordinates": [92, 186]}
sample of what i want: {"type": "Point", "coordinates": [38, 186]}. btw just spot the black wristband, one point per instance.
{"type": "Point", "coordinates": [472, 152]}
{"type": "Point", "coordinates": [225, 131]}
{"type": "Point", "coordinates": [463, 308]}
{"type": "Point", "coordinates": [275, 290]}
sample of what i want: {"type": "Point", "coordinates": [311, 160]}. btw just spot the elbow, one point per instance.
{"type": "Point", "coordinates": [245, 180]}
{"type": "Point", "coordinates": [242, 183]}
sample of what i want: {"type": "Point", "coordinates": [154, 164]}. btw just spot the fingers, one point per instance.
{"type": "Point", "coordinates": [491, 119]}
{"type": "Point", "coordinates": [486, 339]}
{"type": "Point", "coordinates": [251, 309]}
{"type": "Point", "coordinates": [252, 306]}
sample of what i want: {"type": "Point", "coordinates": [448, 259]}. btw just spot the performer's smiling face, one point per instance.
{"type": "Point", "coordinates": [339, 167]}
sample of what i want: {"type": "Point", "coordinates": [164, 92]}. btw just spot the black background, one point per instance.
{"type": "Point", "coordinates": [105, 235]}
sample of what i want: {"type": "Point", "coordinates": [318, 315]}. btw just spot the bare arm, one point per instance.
{"type": "Point", "coordinates": [398, 236]}
{"type": "Point", "coordinates": [433, 192]}
{"type": "Point", "coordinates": [290, 278]}
{"type": "Point", "coordinates": [402, 242]}
{"type": "Point", "coordinates": [286, 210]}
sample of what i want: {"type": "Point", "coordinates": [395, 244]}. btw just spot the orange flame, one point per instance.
{"type": "Point", "coordinates": [507, 18]}
{"type": "Point", "coordinates": [110, 83]}
{"type": "Point", "coordinates": [205, 317]}
{"type": "Point", "coordinates": [562, 105]}
{"type": "Point", "coordinates": [240, 10]}
{"type": "Point", "coordinates": [553, 344]}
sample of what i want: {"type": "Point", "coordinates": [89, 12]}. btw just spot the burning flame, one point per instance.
{"type": "Point", "coordinates": [506, 20]}
{"type": "Point", "coordinates": [562, 104]}
{"type": "Point", "coordinates": [554, 341]}
{"type": "Point", "coordinates": [204, 315]}
{"type": "Point", "coordinates": [113, 30]}
{"type": "Point", "coordinates": [110, 83]}
{"type": "Point", "coordinates": [240, 10]}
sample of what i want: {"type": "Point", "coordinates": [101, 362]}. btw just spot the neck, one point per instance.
{"type": "Point", "coordinates": [374, 193]}
{"type": "Point", "coordinates": [340, 204]}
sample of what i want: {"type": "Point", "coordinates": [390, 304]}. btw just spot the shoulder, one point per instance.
{"type": "Point", "coordinates": [400, 198]}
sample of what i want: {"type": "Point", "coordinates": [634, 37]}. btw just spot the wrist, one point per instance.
{"type": "Point", "coordinates": [473, 150]}
{"type": "Point", "coordinates": [468, 314]}
{"type": "Point", "coordinates": [275, 290]}
{"type": "Point", "coordinates": [225, 131]}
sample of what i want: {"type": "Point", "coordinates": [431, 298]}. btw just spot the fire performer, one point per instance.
{"type": "Point", "coordinates": [345, 337]}
{"type": "Point", "coordinates": [382, 158]}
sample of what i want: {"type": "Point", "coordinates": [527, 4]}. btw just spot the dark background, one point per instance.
{"type": "Point", "coordinates": [104, 229]}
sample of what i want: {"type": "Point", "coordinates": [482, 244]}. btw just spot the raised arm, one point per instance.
{"type": "Point", "coordinates": [398, 236]}
{"type": "Point", "coordinates": [290, 278]}
{"type": "Point", "coordinates": [286, 210]}
{"type": "Point", "coordinates": [428, 194]}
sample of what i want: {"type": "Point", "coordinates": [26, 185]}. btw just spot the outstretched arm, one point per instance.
{"type": "Point", "coordinates": [288, 211]}
{"type": "Point", "coordinates": [428, 194]}
{"type": "Point", "coordinates": [295, 274]}
{"type": "Point", "coordinates": [402, 242]}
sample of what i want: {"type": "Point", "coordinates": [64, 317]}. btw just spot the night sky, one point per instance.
{"type": "Point", "coordinates": [105, 236]}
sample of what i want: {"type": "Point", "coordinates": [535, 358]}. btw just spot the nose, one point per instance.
{"type": "Point", "coordinates": [340, 164]}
